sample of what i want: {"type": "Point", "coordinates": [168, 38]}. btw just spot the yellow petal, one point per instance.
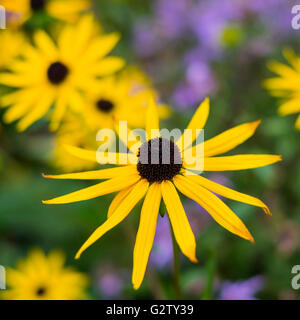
{"type": "Point", "coordinates": [120, 196]}
{"type": "Point", "coordinates": [106, 187]}
{"type": "Point", "coordinates": [213, 205]}
{"type": "Point", "coordinates": [289, 107]}
{"type": "Point", "coordinates": [180, 224]}
{"type": "Point", "coordinates": [152, 120]}
{"type": "Point", "coordinates": [229, 139]}
{"type": "Point", "coordinates": [59, 111]}
{"type": "Point", "coordinates": [282, 69]}
{"type": "Point", "coordinates": [96, 174]}
{"type": "Point", "coordinates": [37, 113]}
{"type": "Point", "coordinates": [46, 45]}
{"type": "Point", "coordinates": [136, 194]}
{"type": "Point", "coordinates": [239, 162]}
{"type": "Point", "coordinates": [100, 47]}
{"type": "Point", "coordinates": [227, 192]}
{"type": "Point", "coordinates": [102, 157]}
{"type": "Point", "coordinates": [133, 146]}
{"type": "Point", "coordinates": [198, 121]}
{"type": "Point", "coordinates": [107, 66]}
{"type": "Point", "coordinates": [146, 233]}
{"type": "Point", "coordinates": [80, 153]}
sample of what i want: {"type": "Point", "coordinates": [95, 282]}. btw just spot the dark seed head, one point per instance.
{"type": "Point", "coordinates": [104, 105]}
{"type": "Point", "coordinates": [41, 291]}
{"type": "Point", "coordinates": [159, 160]}
{"type": "Point", "coordinates": [57, 72]}
{"type": "Point", "coordinates": [37, 5]}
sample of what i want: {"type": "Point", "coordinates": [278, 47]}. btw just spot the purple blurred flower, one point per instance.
{"type": "Point", "coordinates": [172, 17]}
{"type": "Point", "coordinates": [146, 42]}
{"type": "Point", "coordinates": [110, 281]}
{"type": "Point", "coordinates": [275, 15]}
{"type": "Point", "coordinates": [241, 290]}
{"type": "Point", "coordinates": [221, 179]}
{"type": "Point", "coordinates": [199, 83]}
{"type": "Point", "coordinates": [162, 253]}
{"type": "Point", "coordinates": [208, 20]}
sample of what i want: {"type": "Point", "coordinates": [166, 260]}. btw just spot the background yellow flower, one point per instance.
{"type": "Point", "coordinates": [12, 43]}
{"type": "Point", "coordinates": [45, 277]}
{"type": "Point", "coordinates": [286, 85]}
{"type": "Point", "coordinates": [56, 74]}
{"type": "Point", "coordinates": [67, 10]}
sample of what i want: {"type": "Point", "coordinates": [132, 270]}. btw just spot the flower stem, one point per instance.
{"type": "Point", "coordinates": [176, 268]}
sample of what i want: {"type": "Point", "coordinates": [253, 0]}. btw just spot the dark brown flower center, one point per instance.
{"type": "Point", "coordinates": [37, 5]}
{"type": "Point", "coordinates": [158, 160]}
{"type": "Point", "coordinates": [104, 105]}
{"type": "Point", "coordinates": [57, 72]}
{"type": "Point", "coordinates": [41, 291]}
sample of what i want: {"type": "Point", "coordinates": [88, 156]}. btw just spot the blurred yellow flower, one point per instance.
{"type": "Point", "coordinates": [122, 97]}
{"type": "Point", "coordinates": [66, 10]}
{"type": "Point", "coordinates": [286, 85]}
{"type": "Point", "coordinates": [159, 181]}
{"type": "Point", "coordinates": [11, 43]}
{"type": "Point", "coordinates": [42, 277]}
{"type": "Point", "coordinates": [73, 132]}
{"type": "Point", "coordinates": [57, 73]}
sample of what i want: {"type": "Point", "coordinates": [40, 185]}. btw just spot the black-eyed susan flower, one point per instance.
{"type": "Point", "coordinates": [56, 74]}
{"type": "Point", "coordinates": [45, 277]}
{"type": "Point", "coordinates": [121, 97]}
{"type": "Point", "coordinates": [159, 180]}
{"type": "Point", "coordinates": [11, 42]}
{"type": "Point", "coordinates": [286, 85]}
{"type": "Point", "coordinates": [66, 10]}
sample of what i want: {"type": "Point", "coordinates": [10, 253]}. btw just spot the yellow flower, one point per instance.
{"type": "Point", "coordinates": [57, 74]}
{"type": "Point", "coordinates": [286, 85]}
{"type": "Point", "coordinates": [159, 181]}
{"type": "Point", "coordinates": [66, 10]}
{"type": "Point", "coordinates": [73, 132]}
{"type": "Point", "coordinates": [123, 97]}
{"type": "Point", "coordinates": [11, 43]}
{"type": "Point", "coordinates": [41, 277]}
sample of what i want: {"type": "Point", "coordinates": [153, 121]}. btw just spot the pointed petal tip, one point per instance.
{"type": "Point", "coordinates": [47, 176]}
{"type": "Point", "coordinates": [267, 211]}
{"type": "Point", "coordinates": [251, 239]}
{"type": "Point", "coordinates": [194, 259]}
{"type": "Point", "coordinates": [77, 256]}
{"type": "Point", "coordinates": [136, 285]}
{"type": "Point", "coordinates": [256, 123]}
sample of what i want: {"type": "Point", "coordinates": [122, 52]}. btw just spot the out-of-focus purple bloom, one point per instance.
{"type": "Point", "coordinates": [208, 20]}
{"type": "Point", "coordinates": [242, 290]}
{"type": "Point", "coordinates": [172, 17]}
{"type": "Point", "coordinates": [275, 15]}
{"type": "Point", "coordinates": [146, 42]}
{"type": "Point", "coordinates": [110, 282]}
{"type": "Point", "coordinates": [200, 82]}
{"type": "Point", "coordinates": [162, 253]}
{"type": "Point", "coordinates": [221, 179]}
